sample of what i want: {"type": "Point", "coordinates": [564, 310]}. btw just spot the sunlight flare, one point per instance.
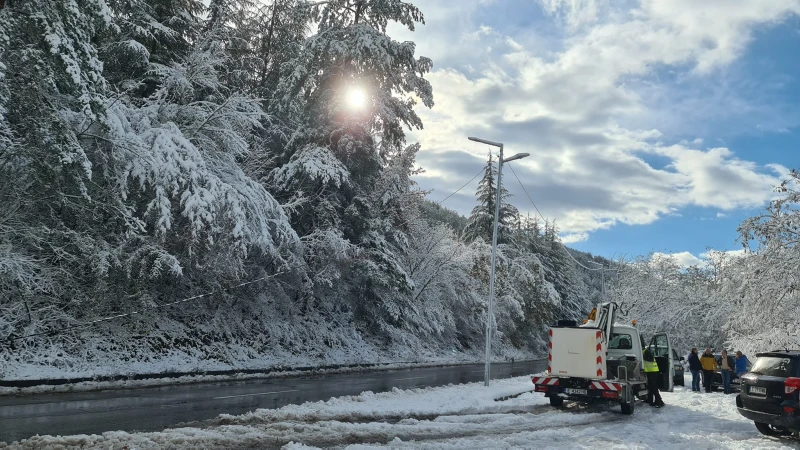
{"type": "Point", "coordinates": [356, 98]}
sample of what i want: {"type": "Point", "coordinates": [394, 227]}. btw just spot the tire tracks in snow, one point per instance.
{"type": "Point", "coordinates": [423, 428]}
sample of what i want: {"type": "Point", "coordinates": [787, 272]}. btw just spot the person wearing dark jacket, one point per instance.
{"type": "Point", "coordinates": [695, 367]}
{"type": "Point", "coordinates": [709, 364]}
{"type": "Point", "coordinates": [726, 368]}
{"type": "Point", "coordinates": [651, 371]}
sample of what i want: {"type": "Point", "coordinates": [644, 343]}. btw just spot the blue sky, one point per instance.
{"type": "Point", "coordinates": [652, 125]}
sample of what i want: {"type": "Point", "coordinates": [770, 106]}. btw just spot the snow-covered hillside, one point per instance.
{"type": "Point", "coordinates": [457, 417]}
{"type": "Point", "coordinates": [185, 186]}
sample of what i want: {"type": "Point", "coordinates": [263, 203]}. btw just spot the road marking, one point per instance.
{"type": "Point", "coordinates": [412, 378]}
{"type": "Point", "coordinates": [259, 393]}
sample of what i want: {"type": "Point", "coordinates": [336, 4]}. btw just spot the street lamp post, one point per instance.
{"type": "Point", "coordinates": [490, 311]}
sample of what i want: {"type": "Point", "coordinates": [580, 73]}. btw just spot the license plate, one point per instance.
{"type": "Point", "coordinates": [758, 390]}
{"type": "Point", "coordinates": [576, 391]}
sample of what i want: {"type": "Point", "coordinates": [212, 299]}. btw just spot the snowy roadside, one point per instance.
{"type": "Point", "coordinates": [457, 417]}
{"type": "Point", "coordinates": [96, 385]}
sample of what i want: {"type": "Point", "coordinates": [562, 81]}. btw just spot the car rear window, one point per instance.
{"type": "Point", "coordinates": [773, 366]}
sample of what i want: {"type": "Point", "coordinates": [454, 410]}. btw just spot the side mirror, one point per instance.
{"type": "Point", "coordinates": [682, 359]}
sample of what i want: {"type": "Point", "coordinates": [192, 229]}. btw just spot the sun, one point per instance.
{"type": "Point", "coordinates": [356, 98]}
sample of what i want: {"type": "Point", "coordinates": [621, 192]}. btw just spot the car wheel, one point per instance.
{"type": "Point", "coordinates": [556, 401]}
{"type": "Point", "coordinates": [678, 380]}
{"type": "Point", "coordinates": [771, 430]}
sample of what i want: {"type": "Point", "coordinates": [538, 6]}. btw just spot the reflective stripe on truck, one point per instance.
{"type": "Point", "coordinates": [601, 360]}
{"type": "Point", "coordinates": [605, 386]}
{"type": "Point", "coordinates": [545, 381]}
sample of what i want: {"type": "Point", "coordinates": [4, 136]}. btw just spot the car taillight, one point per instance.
{"type": "Point", "coordinates": [791, 385]}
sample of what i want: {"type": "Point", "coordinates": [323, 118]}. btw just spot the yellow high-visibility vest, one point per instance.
{"type": "Point", "coordinates": [649, 366]}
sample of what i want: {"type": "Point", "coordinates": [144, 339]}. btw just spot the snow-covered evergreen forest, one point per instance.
{"type": "Point", "coordinates": [153, 151]}
{"type": "Point", "coordinates": [156, 151]}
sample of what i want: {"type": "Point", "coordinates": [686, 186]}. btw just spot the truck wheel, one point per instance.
{"type": "Point", "coordinates": [771, 430]}
{"type": "Point", "coordinates": [627, 408]}
{"type": "Point", "coordinates": [556, 401]}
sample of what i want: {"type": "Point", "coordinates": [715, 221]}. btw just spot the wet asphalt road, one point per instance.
{"type": "Point", "coordinates": [155, 408]}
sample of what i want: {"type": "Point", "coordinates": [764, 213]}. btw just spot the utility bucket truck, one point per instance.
{"type": "Point", "coordinates": [601, 361]}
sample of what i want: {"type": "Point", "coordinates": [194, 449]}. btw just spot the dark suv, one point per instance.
{"type": "Point", "coordinates": [769, 395]}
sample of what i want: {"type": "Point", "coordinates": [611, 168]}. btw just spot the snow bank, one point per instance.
{"type": "Point", "coordinates": [456, 417]}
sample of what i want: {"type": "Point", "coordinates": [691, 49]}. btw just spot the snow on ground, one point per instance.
{"type": "Point", "coordinates": [455, 417]}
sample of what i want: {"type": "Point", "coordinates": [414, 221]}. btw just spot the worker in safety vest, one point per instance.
{"type": "Point", "coordinates": [652, 372]}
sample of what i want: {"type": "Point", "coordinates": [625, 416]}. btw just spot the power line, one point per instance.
{"type": "Point", "coordinates": [407, 221]}
{"type": "Point", "coordinates": [543, 218]}
{"type": "Point", "coordinates": [462, 187]}
{"type": "Point", "coordinates": [118, 316]}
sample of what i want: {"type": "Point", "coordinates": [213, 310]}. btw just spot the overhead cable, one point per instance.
{"type": "Point", "coordinates": [543, 218]}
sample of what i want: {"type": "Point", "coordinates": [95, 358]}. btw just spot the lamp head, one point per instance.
{"type": "Point", "coordinates": [484, 141]}
{"type": "Point", "coordinates": [516, 157]}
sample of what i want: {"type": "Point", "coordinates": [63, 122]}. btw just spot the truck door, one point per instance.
{"type": "Point", "coordinates": [662, 351]}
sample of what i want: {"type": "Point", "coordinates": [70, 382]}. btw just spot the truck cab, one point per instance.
{"type": "Point", "coordinates": [625, 344]}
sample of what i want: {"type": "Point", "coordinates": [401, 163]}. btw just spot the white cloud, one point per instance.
{"type": "Point", "coordinates": [572, 238]}
{"type": "Point", "coordinates": [724, 253]}
{"type": "Point", "coordinates": [683, 259]}
{"type": "Point", "coordinates": [569, 106]}
{"type": "Point", "coordinates": [687, 259]}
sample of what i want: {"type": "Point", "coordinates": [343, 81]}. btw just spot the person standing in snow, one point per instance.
{"type": "Point", "coordinates": [709, 367]}
{"type": "Point", "coordinates": [741, 364]}
{"type": "Point", "coordinates": [651, 371]}
{"type": "Point", "coordinates": [726, 366]}
{"type": "Point", "coordinates": [695, 367]}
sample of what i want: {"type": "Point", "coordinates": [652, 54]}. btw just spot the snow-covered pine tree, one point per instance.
{"type": "Point", "coordinates": [481, 220]}
{"type": "Point", "coordinates": [133, 186]}
{"type": "Point", "coordinates": [147, 32]}
{"type": "Point", "coordinates": [334, 159]}
{"type": "Point", "coordinates": [51, 74]}
{"type": "Point", "coordinates": [561, 271]}
{"type": "Point", "coordinates": [178, 153]}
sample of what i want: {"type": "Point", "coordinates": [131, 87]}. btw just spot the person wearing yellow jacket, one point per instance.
{"type": "Point", "coordinates": [651, 371]}
{"type": "Point", "coordinates": [709, 368]}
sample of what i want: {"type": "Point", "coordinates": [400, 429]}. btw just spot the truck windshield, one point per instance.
{"type": "Point", "coordinates": [773, 366]}
{"type": "Point", "coordinates": [620, 342]}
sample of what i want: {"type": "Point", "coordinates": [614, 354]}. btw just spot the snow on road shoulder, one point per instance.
{"type": "Point", "coordinates": [457, 417]}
